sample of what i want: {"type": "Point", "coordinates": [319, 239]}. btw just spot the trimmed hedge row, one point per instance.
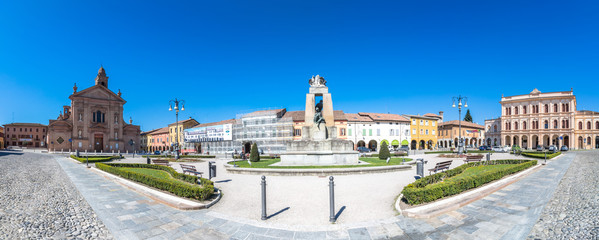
{"type": "Point", "coordinates": [187, 189]}
{"type": "Point", "coordinates": [95, 159]}
{"type": "Point", "coordinates": [261, 157]}
{"type": "Point", "coordinates": [431, 188]}
{"type": "Point", "coordinates": [540, 154]}
{"type": "Point", "coordinates": [181, 156]}
{"type": "Point", "coordinates": [438, 152]}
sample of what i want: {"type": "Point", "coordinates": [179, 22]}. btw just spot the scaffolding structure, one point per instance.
{"type": "Point", "coordinates": [269, 129]}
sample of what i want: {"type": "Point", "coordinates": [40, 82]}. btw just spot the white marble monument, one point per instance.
{"type": "Point", "coordinates": [319, 144]}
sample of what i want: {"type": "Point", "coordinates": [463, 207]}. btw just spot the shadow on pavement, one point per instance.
{"type": "Point", "coordinates": [339, 213]}
{"type": "Point", "coordinates": [277, 213]}
{"type": "Point", "coordinates": [222, 181]}
{"type": "Point", "coordinates": [8, 152]}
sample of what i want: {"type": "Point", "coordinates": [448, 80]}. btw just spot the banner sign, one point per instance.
{"type": "Point", "coordinates": [209, 134]}
{"type": "Point", "coordinates": [471, 131]}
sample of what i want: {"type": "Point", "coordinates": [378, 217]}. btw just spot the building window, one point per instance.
{"type": "Point", "coordinates": [555, 125]}
{"type": "Point", "coordinates": [434, 124]}
{"type": "Point", "coordinates": [378, 132]}
{"type": "Point", "coordinates": [589, 125]}
{"type": "Point", "coordinates": [555, 108]}
{"type": "Point", "coordinates": [516, 125]}
{"type": "Point", "coordinates": [349, 132]}
{"type": "Point", "coordinates": [597, 125]}
{"type": "Point", "coordinates": [546, 108]}
{"type": "Point", "coordinates": [426, 123]}
{"type": "Point", "coordinates": [297, 132]}
{"type": "Point", "coordinates": [524, 125]}
{"type": "Point", "coordinates": [413, 131]}
{"type": "Point", "coordinates": [546, 124]}
{"type": "Point", "coordinates": [426, 132]}
{"type": "Point", "coordinates": [523, 109]}
{"type": "Point", "coordinates": [421, 122]}
{"type": "Point", "coordinates": [421, 131]}
{"type": "Point", "coordinates": [342, 132]}
{"type": "Point", "coordinates": [369, 132]}
{"type": "Point", "coordinates": [515, 110]}
{"type": "Point", "coordinates": [363, 132]}
{"type": "Point", "coordinates": [433, 132]}
{"type": "Point", "coordinates": [580, 125]}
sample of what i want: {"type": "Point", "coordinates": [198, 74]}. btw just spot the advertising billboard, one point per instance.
{"type": "Point", "coordinates": [209, 134]}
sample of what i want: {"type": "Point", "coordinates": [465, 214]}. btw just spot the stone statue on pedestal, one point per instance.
{"type": "Point", "coordinates": [318, 118]}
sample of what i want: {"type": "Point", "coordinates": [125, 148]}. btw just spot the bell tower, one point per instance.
{"type": "Point", "coordinates": [101, 78]}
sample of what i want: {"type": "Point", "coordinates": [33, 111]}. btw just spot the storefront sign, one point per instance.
{"type": "Point", "coordinates": [209, 134]}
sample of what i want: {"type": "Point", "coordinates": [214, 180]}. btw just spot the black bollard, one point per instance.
{"type": "Point", "coordinates": [86, 161]}
{"type": "Point", "coordinates": [263, 198]}
{"type": "Point", "coordinates": [332, 198]}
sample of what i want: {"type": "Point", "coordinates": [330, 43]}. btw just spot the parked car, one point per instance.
{"type": "Point", "coordinates": [497, 149]}
{"type": "Point", "coordinates": [229, 151]}
{"type": "Point", "coordinates": [507, 148]}
{"type": "Point", "coordinates": [364, 150]}
{"type": "Point", "coordinates": [539, 148]}
{"type": "Point", "coordinates": [552, 148]}
{"type": "Point", "coordinates": [404, 148]}
{"type": "Point", "coordinates": [564, 148]}
{"type": "Point", "coordinates": [156, 152]}
{"type": "Point", "coordinates": [482, 148]}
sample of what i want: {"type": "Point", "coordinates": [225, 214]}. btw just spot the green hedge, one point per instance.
{"type": "Point", "coordinates": [187, 189]}
{"type": "Point", "coordinates": [181, 156]}
{"type": "Point", "coordinates": [261, 157]}
{"type": "Point", "coordinates": [431, 188]}
{"type": "Point", "coordinates": [95, 159]}
{"type": "Point", "coordinates": [438, 152]}
{"type": "Point", "coordinates": [540, 154]}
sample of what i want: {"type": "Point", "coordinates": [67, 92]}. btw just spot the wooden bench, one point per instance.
{"type": "Point", "coordinates": [440, 166]}
{"type": "Point", "coordinates": [161, 162]}
{"type": "Point", "coordinates": [190, 169]}
{"type": "Point", "coordinates": [473, 158]}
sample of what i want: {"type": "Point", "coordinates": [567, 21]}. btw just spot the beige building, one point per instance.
{"type": "Point", "coordinates": [449, 133]}
{"type": "Point", "coordinates": [548, 119]}
{"type": "Point", "coordinates": [172, 131]}
{"type": "Point", "coordinates": [493, 132]}
{"type": "Point", "coordinates": [299, 119]}
{"type": "Point", "coordinates": [93, 122]}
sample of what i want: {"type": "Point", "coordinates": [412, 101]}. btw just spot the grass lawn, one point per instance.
{"type": "Point", "coordinates": [151, 172]}
{"type": "Point", "coordinates": [478, 170]}
{"type": "Point", "coordinates": [372, 162]}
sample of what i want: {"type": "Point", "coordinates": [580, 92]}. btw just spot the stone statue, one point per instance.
{"type": "Point", "coordinates": [317, 81]}
{"type": "Point", "coordinates": [318, 118]}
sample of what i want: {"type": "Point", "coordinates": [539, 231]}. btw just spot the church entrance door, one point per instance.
{"type": "Point", "coordinates": [98, 142]}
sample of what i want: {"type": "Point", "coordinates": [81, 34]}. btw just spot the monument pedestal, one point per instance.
{"type": "Point", "coordinates": [319, 145]}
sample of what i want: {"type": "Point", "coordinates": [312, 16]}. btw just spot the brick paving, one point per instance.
{"type": "Point", "coordinates": [509, 213]}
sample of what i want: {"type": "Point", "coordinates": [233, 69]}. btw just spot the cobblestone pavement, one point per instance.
{"type": "Point", "coordinates": [509, 213]}
{"type": "Point", "coordinates": [38, 201]}
{"type": "Point", "coordinates": [573, 212]}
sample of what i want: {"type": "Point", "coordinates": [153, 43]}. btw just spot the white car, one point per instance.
{"type": "Point", "coordinates": [498, 149]}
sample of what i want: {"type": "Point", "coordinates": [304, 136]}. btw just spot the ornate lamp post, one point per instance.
{"type": "Point", "coordinates": [459, 99]}
{"type": "Point", "coordinates": [170, 108]}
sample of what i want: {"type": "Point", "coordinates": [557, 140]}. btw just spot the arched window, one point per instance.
{"type": "Point", "coordinates": [589, 125]}
{"type": "Point", "coordinates": [555, 123]}
{"type": "Point", "coordinates": [567, 123]}
{"type": "Point", "coordinates": [563, 107]}
{"type": "Point", "coordinates": [555, 108]}
{"type": "Point", "coordinates": [597, 125]}
{"type": "Point", "coordinates": [495, 128]}
{"type": "Point", "coordinates": [567, 107]}
{"type": "Point", "coordinates": [506, 126]}
{"type": "Point", "coordinates": [546, 108]}
{"type": "Point", "coordinates": [580, 125]}
{"type": "Point", "coordinates": [563, 123]}
{"type": "Point", "coordinates": [546, 123]}
{"type": "Point", "coordinates": [516, 125]}
{"type": "Point", "coordinates": [524, 125]}
{"type": "Point", "coordinates": [516, 110]}
{"type": "Point", "coordinates": [523, 109]}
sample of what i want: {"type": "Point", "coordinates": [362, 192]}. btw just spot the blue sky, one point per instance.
{"type": "Point", "coordinates": [229, 57]}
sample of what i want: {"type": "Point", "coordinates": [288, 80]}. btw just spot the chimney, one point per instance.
{"type": "Point", "coordinates": [130, 120]}
{"type": "Point", "coordinates": [441, 115]}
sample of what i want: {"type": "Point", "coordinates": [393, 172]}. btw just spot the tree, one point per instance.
{"type": "Point", "coordinates": [468, 117]}
{"type": "Point", "coordinates": [384, 151]}
{"type": "Point", "coordinates": [254, 156]}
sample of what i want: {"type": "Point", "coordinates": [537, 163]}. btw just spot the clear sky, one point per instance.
{"type": "Point", "coordinates": [229, 57]}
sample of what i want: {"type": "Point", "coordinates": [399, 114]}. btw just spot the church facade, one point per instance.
{"type": "Point", "coordinates": [93, 122]}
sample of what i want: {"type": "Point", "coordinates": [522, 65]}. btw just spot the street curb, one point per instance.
{"type": "Point", "coordinates": [315, 172]}
{"type": "Point", "coordinates": [455, 202]}
{"type": "Point", "coordinates": [165, 198]}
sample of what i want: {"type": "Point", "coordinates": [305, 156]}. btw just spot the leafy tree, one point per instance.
{"type": "Point", "coordinates": [468, 117]}
{"type": "Point", "coordinates": [254, 156]}
{"type": "Point", "coordinates": [384, 151]}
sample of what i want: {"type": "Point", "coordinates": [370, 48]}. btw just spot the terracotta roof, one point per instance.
{"type": "Point", "coordinates": [384, 117]}
{"type": "Point", "coordinates": [432, 115]}
{"type": "Point", "coordinates": [464, 124]}
{"type": "Point", "coordinates": [354, 117]}
{"type": "Point", "coordinates": [299, 116]}
{"type": "Point", "coordinates": [184, 121]}
{"type": "Point", "coordinates": [160, 131]}
{"type": "Point", "coordinates": [26, 124]}
{"type": "Point", "coordinates": [419, 117]}
{"type": "Point", "coordinates": [228, 121]}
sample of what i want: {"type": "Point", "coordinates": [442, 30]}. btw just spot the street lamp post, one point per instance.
{"type": "Point", "coordinates": [170, 108]}
{"type": "Point", "coordinates": [459, 99]}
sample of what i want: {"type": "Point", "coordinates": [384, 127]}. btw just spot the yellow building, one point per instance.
{"type": "Point", "coordinates": [183, 124]}
{"type": "Point", "coordinates": [423, 130]}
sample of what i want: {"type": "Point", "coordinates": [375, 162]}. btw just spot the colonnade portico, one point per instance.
{"type": "Point", "coordinates": [531, 141]}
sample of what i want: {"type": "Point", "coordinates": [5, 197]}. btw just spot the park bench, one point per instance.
{"type": "Point", "coordinates": [440, 166]}
{"type": "Point", "coordinates": [162, 162]}
{"type": "Point", "coordinates": [190, 169]}
{"type": "Point", "coordinates": [473, 158]}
